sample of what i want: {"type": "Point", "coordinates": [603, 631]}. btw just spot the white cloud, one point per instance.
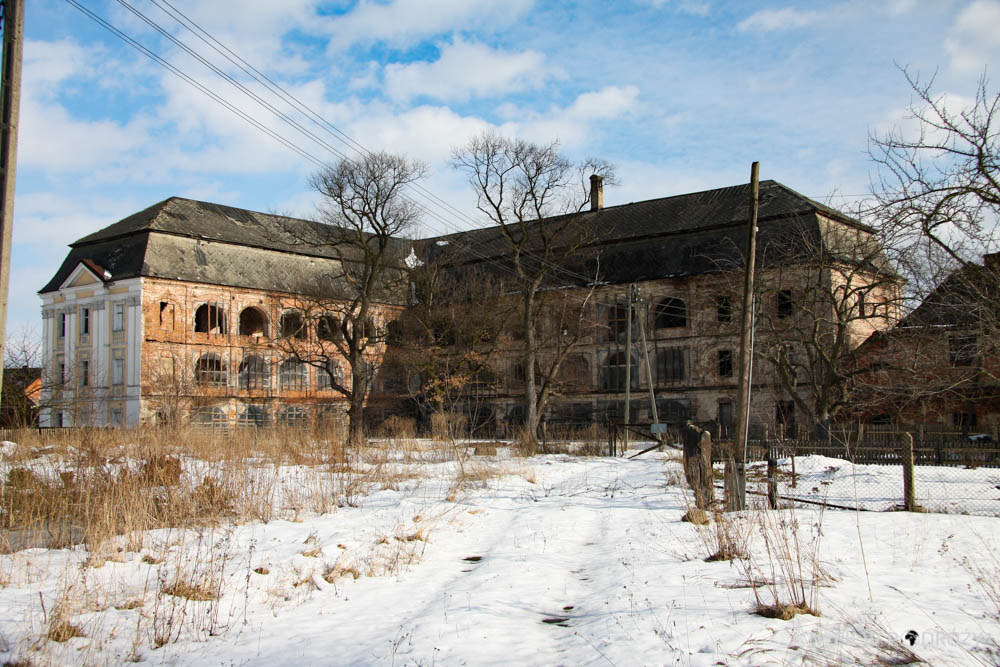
{"type": "Point", "coordinates": [768, 20]}
{"type": "Point", "coordinates": [403, 21]}
{"type": "Point", "coordinates": [464, 70]}
{"type": "Point", "coordinates": [974, 39]}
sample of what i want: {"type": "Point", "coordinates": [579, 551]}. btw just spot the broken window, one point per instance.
{"type": "Point", "coordinates": [292, 325]}
{"type": "Point", "coordinates": [294, 375]}
{"type": "Point", "coordinates": [671, 312]}
{"type": "Point", "coordinates": [784, 418]}
{"type": "Point", "coordinates": [323, 375]}
{"type": "Point", "coordinates": [617, 321]}
{"type": "Point", "coordinates": [253, 415]}
{"type": "Point", "coordinates": [166, 315]}
{"type": "Point", "coordinates": [209, 370]}
{"type": "Point", "coordinates": [210, 318]}
{"type": "Point", "coordinates": [612, 375]}
{"type": "Point", "coordinates": [254, 373]}
{"type": "Point", "coordinates": [210, 415]}
{"type": "Point", "coordinates": [253, 322]}
{"type": "Point", "coordinates": [724, 309]}
{"type": "Point", "coordinates": [726, 363]}
{"type": "Point", "coordinates": [784, 303]}
{"type": "Point", "coordinates": [670, 364]}
{"type": "Point", "coordinates": [328, 328]}
{"type": "Point", "coordinates": [293, 415]}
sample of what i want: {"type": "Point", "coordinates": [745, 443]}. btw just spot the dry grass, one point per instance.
{"type": "Point", "coordinates": [783, 568]}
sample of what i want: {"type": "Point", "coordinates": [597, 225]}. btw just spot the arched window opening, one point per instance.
{"type": "Point", "coordinates": [294, 375]}
{"type": "Point", "coordinates": [292, 325]}
{"type": "Point", "coordinates": [210, 415]}
{"type": "Point", "coordinates": [670, 313]}
{"type": "Point", "coordinates": [210, 371]}
{"type": "Point", "coordinates": [253, 322]}
{"type": "Point", "coordinates": [254, 415]}
{"type": "Point", "coordinates": [254, 373]}
{"type": "Point", "coordinates": [210, 318]}
{"type": "Point", "coordinates": [328, 328]}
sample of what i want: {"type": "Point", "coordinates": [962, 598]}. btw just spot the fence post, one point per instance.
{"type": "Point", "coordinates": [772, 478]}
{"type": "Point", "coordinates": [909, 493]}
{"type": "Point", "coordinates": [612, 437]}
{"type": "Point", "coordinates": [795, 481]}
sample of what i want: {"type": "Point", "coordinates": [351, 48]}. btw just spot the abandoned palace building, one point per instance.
{"type": "Point", "coordinates": [178, 311]}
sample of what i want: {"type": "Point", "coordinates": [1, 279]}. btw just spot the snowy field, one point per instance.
{"type": "Point", "coordinates": [547, 560]}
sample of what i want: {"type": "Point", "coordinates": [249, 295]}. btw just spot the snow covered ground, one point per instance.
{"type": "Point", "coordinates": [547, 560]}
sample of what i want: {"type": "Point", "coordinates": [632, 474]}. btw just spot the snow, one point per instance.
{"type": "Point", "coordinates": [548, 560]}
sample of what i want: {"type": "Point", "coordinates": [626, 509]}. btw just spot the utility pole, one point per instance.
{"type": "Point", "coordinates": [736, 463]}
{"type": "Point", "coordinates": [628, 363]}
{"type": "Point", "coordinates": [10, 103]}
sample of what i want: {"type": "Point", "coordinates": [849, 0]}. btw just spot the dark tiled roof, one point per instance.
{"type": "Point", "coordinates": [681, 235]}
{"type": "Point", "coordinates": [198, 241]}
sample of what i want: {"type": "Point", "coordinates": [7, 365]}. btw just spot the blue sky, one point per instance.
{"type": "Point", "coordinates": [681, 95]}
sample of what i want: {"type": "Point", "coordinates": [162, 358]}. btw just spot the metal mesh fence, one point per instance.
{"type": "Point", "coordinates": [956, 476]}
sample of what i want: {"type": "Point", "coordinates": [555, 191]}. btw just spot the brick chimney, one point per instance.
{"type": "Point", "coordinates": [596, 192]}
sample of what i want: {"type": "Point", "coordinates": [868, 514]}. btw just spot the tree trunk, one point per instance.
{"type": "Point", "coordinates": [530, 405]}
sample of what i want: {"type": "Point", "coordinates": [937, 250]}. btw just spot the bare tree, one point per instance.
{"type": "Point", "coordinates": [937, 194]}
{"type": "Point", "coordinates": [535, 195]}
{"type": "Point", "coordinates": [22, 366]}
{"type": "Point", "coordinates": [365, 214]}
{"type": "Point", "coordinates": [445, 346]}
{"type": "Point", "coordinates": [815, 308]}
{"type": "Point", "coordinates": [937, 188]}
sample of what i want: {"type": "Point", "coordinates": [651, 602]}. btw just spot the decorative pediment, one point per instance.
{"type": "Point", "coordinates": [87, 272]}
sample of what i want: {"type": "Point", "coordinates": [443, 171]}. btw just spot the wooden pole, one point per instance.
{"type": "Point", "coordinates": [736, 478]}
{"type": "Point", "coordinates": [772, 478]}
{"type": "Point", "coordinates": [909, 493]}
{"type": "Point", "coordinates": [10, 103]}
